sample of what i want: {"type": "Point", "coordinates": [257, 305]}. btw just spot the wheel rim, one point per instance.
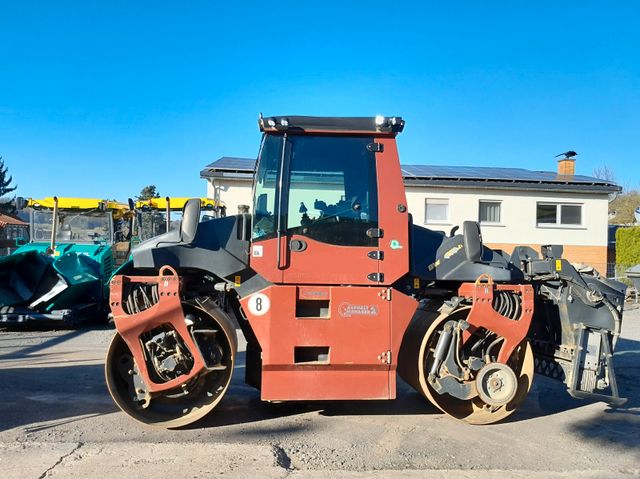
{"type": "Point", "coordinates": [497, 384]}
{"type": "Point", "coordinates": [172, 408]}
{"type": "Point", "coordinates": [475, 411]}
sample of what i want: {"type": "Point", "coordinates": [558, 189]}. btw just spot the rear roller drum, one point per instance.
{"type": "Point", "coordinates": [499, 388]}
{"type": "Point", "coordinates": [191, 400]}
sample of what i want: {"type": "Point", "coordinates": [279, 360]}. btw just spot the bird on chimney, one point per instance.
{"type": "Point", "coordinates": [567, 155]}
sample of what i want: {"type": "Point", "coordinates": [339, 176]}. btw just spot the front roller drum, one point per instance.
{"type": "Point", "coordinates": [192, 399]}
{"type": "Point", "coordinates": [171, 360]}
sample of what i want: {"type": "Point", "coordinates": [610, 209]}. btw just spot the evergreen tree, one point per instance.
{"type": "Point", "coordinates": [6, 205]}
{"type": "Point", "coordinates": [148, 218]}
{"type": "Point", "coordinates": [148, 192]}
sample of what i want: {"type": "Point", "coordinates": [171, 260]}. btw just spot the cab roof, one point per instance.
{"type": "Point", "coordinates": [378, 125]}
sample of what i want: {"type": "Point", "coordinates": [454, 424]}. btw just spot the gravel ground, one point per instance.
{"type": "Point", "coordinates": [58, 420]}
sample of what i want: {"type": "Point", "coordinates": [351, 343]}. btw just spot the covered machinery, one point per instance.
{"type": "Point", "coordinates": [337, 292]}
{"type": "Point", "coordinates": [63, 273]}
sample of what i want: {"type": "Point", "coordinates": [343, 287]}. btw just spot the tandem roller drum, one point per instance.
{"type": "Point", "coordinates": [487, 392]}
{"type": "Point", "coordinates": [186, 403]}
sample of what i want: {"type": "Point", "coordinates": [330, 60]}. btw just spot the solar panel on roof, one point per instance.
{"type": "Point", "coordinates": [489, 173]}
{"type": "Point", "coordinates": [441, 172]}
{"type": "Point", "coordinates": [233, 163]}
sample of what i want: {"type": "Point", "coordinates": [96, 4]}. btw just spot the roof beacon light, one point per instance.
{"type": "Point", "coordinates": [271, 122]}
{"type": "Point", "coordinates": [284, 122]}
{"type": "Point", "coordinates": [379, 120]}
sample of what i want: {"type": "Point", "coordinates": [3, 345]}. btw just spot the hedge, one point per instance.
{"type": "Point", "coordinates": [628, 246]}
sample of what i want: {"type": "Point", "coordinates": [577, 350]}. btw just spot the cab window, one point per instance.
{"type": "Point", "coordinates": [265, 189]}
{"type": "Point", "coordinates": [332, 189]}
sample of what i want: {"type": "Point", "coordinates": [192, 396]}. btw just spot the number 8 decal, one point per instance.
{"type": "Point", "coordinates": [259, 304]}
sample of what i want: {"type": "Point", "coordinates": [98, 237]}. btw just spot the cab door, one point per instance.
{"type": "Point", "coordinates": [330, 205]}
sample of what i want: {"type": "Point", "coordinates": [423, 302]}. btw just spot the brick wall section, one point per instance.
{"type": "Point", "coordinates": [595, 256]}
{"type": "Point", "coordinates": [566, 167]}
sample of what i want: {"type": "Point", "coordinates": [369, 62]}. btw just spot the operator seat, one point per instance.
{"type": "Point", "coordinates": [472, 238]}
{"type": "Point", "coordinates": [461, 257]}
{"type": "Point", "coordinates": [65, 233]}
{"type": "Point", "coordinates": [190, 220]}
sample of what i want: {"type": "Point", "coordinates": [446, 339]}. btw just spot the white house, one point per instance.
{"type": "Point", "coordinates": [515, 206]}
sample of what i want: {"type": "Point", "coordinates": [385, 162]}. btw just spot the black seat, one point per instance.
{"type": "Point", "coordinates": [472, 241]}
{"type": "Point", "coordinates": [190, 220]}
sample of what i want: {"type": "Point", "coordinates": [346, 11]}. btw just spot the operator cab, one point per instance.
{"type": "Point", "coordinates": [330, 195]}
{"type": "Point", "coordinates": [328, 200]}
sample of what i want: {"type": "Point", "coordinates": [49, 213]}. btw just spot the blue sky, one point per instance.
{"type": "Point", "coordinates": [100, 99]}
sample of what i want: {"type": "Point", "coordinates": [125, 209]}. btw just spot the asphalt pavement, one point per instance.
{"type": "Point", "coordinates": [57, 420]}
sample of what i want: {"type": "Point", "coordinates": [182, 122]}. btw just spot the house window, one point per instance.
{"type": "Point", "coordinates": [490, 212]}
{"type": "Point", "coordinates": [436, 210]}
{"type": "Point", "coordinates": [558, 214]}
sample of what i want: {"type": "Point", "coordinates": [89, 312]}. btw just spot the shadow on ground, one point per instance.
{"type": "Point", "coordinates": [242, 404]}
{"type": "Point", "coordinates": [36, 395]}
{"type": "Point", "coordinates": [43, 326]}
{"type": "Point", "coordinates": [44, 342]}
{"type": "Point", "coordinates": [619, 426]}
{"type": "Point", "coordinates": [56, 394]}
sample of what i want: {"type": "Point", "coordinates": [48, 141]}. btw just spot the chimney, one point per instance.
{"type": "Point", "coordinates": [567, 167]}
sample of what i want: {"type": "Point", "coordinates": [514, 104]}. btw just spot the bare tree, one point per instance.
{"type": "Point", "coordinates": [622, 206]}
{"type": "Point", "coordinates": [604, 173]}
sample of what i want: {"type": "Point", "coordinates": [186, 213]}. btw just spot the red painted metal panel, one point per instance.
{"type": "Point", "coordinates": [326, 384]}
{"type": "Point", "coordinates": [314, 292]}
{"type": "Point", "coordinates": [320, 263]}
{"type": "Point", "coordinates": [264, 260]}
{"type": "Point", "coordinates": [357, 333]}
{"type": "Point", "coordinates": [323, 263]}
{"type": "Point", "coordinates": [392, 213]}
{"type": "Point", "coordinates": [402, 309]}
